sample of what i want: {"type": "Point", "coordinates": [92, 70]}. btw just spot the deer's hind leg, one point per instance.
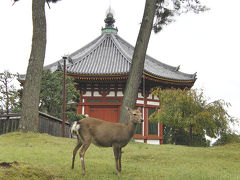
{"type": "Point", "coordinates": [119, 159]}
{"type": "Point", "coordinates": [79, 144]}
{"type": "Point", "coordinates": [81, 153]}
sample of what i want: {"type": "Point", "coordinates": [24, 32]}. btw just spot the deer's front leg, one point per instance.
{"type": "Point", "coordinates": [116, 151]}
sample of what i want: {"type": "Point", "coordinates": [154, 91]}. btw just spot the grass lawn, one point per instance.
{"type": "Point", "coordinates": [41, 156]}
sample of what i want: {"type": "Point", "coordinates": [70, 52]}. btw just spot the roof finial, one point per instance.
{"type": "Point", "coordinates": [109, 22]}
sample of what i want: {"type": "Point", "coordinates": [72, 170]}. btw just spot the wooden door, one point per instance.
{"type": "Point", "coordinates": [107, 113]}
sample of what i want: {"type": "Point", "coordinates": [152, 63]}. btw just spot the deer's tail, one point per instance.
{"type": "Point", "coordinates": [75, 129]}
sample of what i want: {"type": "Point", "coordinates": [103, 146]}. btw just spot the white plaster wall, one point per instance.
{"type": "Point", "coordinates": [96, 94]}
{"type": "Point", "coordinates": [83, 110]}
{"type": "Point", "coordinates": [88, 93]}
{"type": "Point", "coordinates": [111, 94]}
{"type": "Point", "coordinates": [153, 103]}
{"type": "Point", "coordinates": [139, 140]}
{"type": "Point", "coordinates": [140, 95]}
{"type": "Point", "coordinates": [149, 96]}
{"type": "Point", "coordinates": [119, 93]}
{"type": "Point", "coordinates": [155, 98]}
{"type": "Point", "coordinates": [140, 102]}
{"type": "Point", "coordinates": [155, 142]}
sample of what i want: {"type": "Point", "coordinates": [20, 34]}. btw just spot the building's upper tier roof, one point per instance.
{"type": "Point", "coordinates": [109, 54]}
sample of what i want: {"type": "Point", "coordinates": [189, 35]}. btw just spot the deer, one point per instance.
{"type": "Point", "coordinates": [105, 134]}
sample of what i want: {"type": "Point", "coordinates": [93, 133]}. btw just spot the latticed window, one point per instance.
{"type": "Point", "coordinates": [139, 129]}
{"type": "Point", "coordinates": [152, 126]}
{"type": "Point", "coordinates": [95, 100]}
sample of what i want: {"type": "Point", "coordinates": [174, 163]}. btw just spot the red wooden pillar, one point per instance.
{"type": "Point", "coordinates": [79, 109]}
{"type": "Point", "coordinates": [161, 133]}
{"type": "Point", "coordinates": [64, 97]}
{"type": "Point", "coordinates": [145, 119]}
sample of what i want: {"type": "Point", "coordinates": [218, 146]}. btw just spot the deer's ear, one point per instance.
{"type": "Point", "coordinates": [128, 108]}
{"type": "Point", "coordinates": [139, 108]}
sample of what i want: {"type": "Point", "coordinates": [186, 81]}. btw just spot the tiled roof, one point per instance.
{"type": "Point", "coordinates": [109, 54]}
{"type": "Point", "coordinates": [155, 67]}
{"type": "Point", "coordinates": [103, 57]}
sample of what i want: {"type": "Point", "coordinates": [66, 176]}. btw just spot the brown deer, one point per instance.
{"type": "Point", "coordinates": [105, 134]}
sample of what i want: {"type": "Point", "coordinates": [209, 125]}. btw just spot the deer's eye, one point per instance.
{"type": "Point", "coordinates": [134, 114]}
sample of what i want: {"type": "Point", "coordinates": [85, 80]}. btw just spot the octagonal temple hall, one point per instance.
{"type": "Point", "coordinates": [101, 70]}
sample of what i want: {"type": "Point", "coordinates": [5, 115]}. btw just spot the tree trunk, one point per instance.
{"type": "Point", "coordinates": [7, 94]}
{"type": "Point", "coordinates": [135, 74]}
{"type": "Point", "coordinates": [31, 90]}
{"type": "Point", "coordinates": [190, 135]}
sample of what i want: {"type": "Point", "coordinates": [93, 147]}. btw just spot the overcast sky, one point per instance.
{"type": "Point", "coordinates": [207, 43]}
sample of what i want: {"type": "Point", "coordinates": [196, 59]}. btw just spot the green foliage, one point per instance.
{"type": "Point", "coordinates": [189, 110]}
{"type": "Point", "coordinates": [166, 10]}
{"type": "Point", "coordinates": [227, 138]}
{"type": "Point", "coordinates": [9, 95]}
{"type": "Point", "coordinates": [51, 95]}
{"type": "Point", "coordinates": [41, 157]}
{"type": "Point", "coordinates": [73, 116]}
{"type": "Point", "coordinates": [53, 1]}
{"type": "Point", "coordinates": [180, 136]}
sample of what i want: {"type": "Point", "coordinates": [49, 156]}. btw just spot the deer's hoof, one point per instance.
{"type": "Point", "coordinates": [84, 173]}
{"type": "Point", "coordinates": [118, 173]}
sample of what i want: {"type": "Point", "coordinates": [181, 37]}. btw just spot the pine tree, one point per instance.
{"type": "Point", "coordinates": [164, 12]}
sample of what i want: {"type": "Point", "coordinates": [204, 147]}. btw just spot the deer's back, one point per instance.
{"type": "Point", "coordinates": [104, 133]}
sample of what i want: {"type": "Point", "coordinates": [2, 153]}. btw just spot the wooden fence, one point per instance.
{"type": "Point", "coordinates": [47, 124]}
{"type": "Point", "coordinates": [9, 123]}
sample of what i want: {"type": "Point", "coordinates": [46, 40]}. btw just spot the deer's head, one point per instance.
{"type": "Point", "coordinates": [135, 115]}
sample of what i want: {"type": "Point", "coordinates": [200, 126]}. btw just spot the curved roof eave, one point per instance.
{"type": "Point", "coordinates": [149, 59]}
{"type": "Point", "coordinates": [83, 61]}
{"type": "Point", "coordinates": [168, 79]}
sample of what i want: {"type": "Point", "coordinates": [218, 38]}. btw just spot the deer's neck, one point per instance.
{"type": "Point", "coordinates": [132, 127]}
